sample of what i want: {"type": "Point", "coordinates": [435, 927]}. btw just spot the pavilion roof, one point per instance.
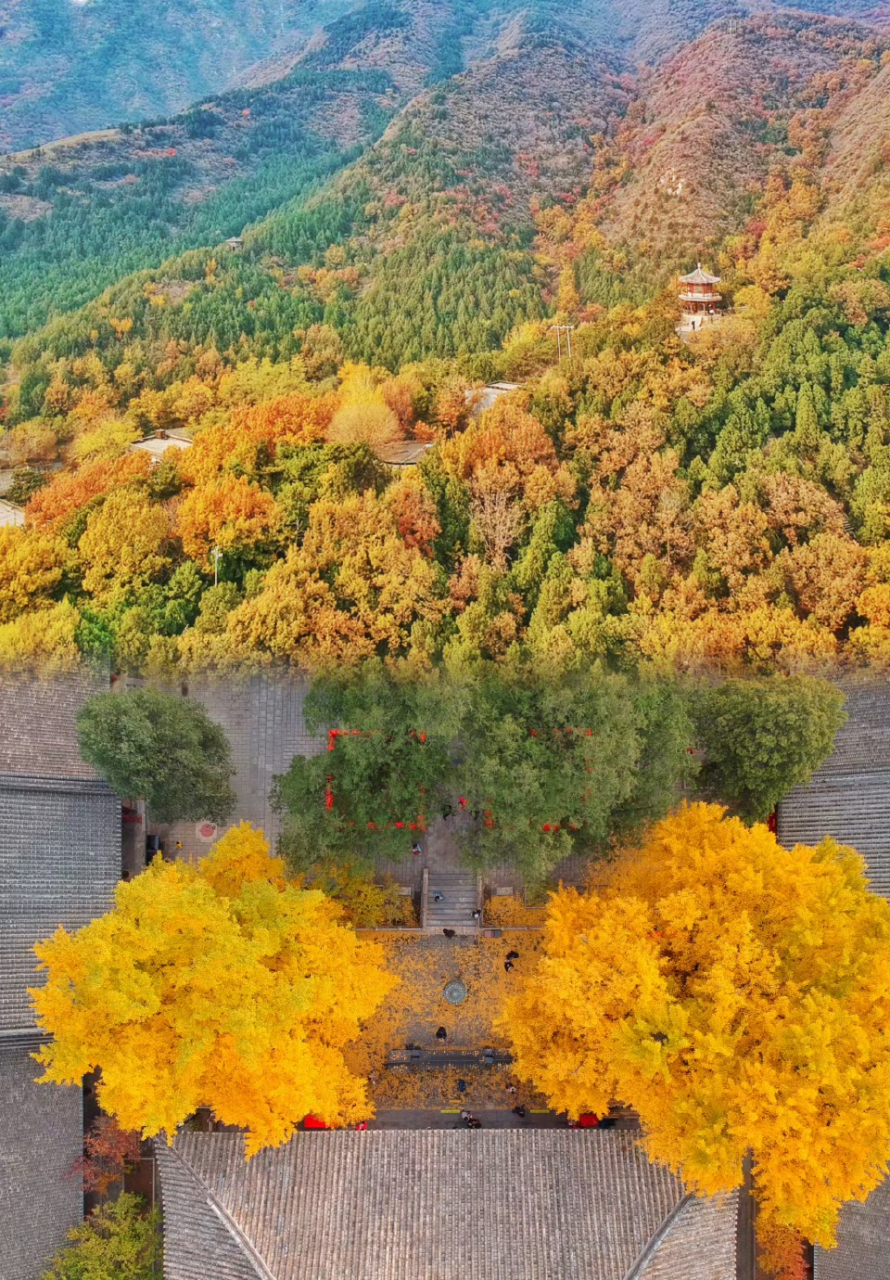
{"type": "Point", "coordinates": [698, 276]}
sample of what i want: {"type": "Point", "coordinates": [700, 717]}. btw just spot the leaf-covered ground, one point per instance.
{"type": "Point", "coordinates": [417, 1008]}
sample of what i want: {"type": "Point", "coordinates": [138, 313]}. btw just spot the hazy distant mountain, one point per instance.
{"type": "Point", "coordinates": [71, 65]}
{"type": "Point", "coordinates": [67, 66]}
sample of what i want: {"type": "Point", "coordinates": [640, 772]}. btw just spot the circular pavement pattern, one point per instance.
{"type": "Point", "coordinates": [455, 992]}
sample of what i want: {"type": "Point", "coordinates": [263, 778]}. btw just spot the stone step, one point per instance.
{"type": "Point", "coordinates": [459, 900]}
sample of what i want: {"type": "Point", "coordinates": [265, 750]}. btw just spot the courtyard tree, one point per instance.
{"type": "Point", "coordinates": [109, 1153]}
{"type": "Point", "coordinates": [760, 738]}
{"type": "Point", "coordinates": [557, 765]}
{"type": "Point", "coordinates": [119, 1239]}
{"type": "Point", "coordinates": [548, 764]}
{"type": "Point", "coordinates": [386, 768]}
{"type": "Point", "coordinates": [162, 748]}
{"type": "Point", "coordinates": [736, 994]}
{"type": "Point", "coordinates": [218, 986]}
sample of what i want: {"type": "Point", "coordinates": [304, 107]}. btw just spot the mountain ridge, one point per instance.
{"type": "Point", "coordinates": [68, 68]}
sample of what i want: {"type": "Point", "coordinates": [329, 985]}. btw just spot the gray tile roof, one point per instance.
{"type": "Point", "coordinates": [436, 1205]}
{"type": "Point", "coordinates": [863, 1247]}
{"type": "Point", "coordinates": [38, 716]}
{"type": "Point", "coordinates": [41, 1135]}
{"type": "Point", "coordinates": [849, 797]}
{"type": "Point", "coordinates": [60, 859]}
{"type": "Point", "coordinates": [404, 453]}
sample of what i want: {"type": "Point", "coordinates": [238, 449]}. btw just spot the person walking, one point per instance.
{"type": "Point", "coordinates": [449, 933]}
{"type": "Point", "coordinates": [441, 1034]}
{"type": "Point", "coordinates": [512, 955]}
{"type": "Point", "coordinates": [438, 897]}
{"type": "Point", "coordinates": [415, 849]}
{"type": "Point", "coordinates": [508, 965]}
{"type": "Point", "coordinates": [520, 1111]}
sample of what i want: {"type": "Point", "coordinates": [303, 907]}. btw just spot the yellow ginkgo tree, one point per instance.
{"type": "Point", "coordinates": [218, 985]}
{"type": "Point", "coordinates": [737, 995]}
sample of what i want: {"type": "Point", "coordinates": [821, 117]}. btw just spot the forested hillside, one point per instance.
{"type": "Point", "coordinates": [74, 219]}
{"type": "Point", "coordinates": [720, 497]}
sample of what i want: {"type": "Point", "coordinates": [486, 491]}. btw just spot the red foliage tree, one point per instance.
{"type": "Point", "coordinates": [109, 1153]}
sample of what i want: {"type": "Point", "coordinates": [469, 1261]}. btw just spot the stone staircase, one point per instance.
{"type": "Point", "coordinates": [461, 896]}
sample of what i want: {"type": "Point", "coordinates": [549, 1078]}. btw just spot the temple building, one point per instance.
{"type": "Point", "coordinates": [437, 1205]}
{"type": "Point", "coordinates": [60, 860]}
{"type": "Point", "coordinates": [699, 296]}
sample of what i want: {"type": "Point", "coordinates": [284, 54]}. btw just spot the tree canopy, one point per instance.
{"type": "Point", "coordinates": [218, 985]}
{"type": "Point", "coordinates": [549, 764]}
{"type": "Point", "coordinates": [161, 748]}
{"type": "Point", "coordinates": [117, 1241]}
{"type": "Point", "coordinates": [760, 738]}
{"type": "Point", "coordinates": [735, 993]}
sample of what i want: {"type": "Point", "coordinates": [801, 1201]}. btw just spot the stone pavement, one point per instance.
{"type": "Point", "coordinates": [264, 721]}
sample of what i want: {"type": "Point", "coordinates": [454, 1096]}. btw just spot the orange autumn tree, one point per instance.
{"type": "Point", "coordinates": [218, 985]}
{"type": "Point", "coordinates": [737, 995]}
{"type": "Point", "coordinates": [249, 440]}
{"type": "Point", "coordinates": [228, 512]}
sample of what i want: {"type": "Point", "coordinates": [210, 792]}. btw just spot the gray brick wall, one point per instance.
{"type": "Point", "coordinates": [849, 797]}
{"type": "Point", "coordinates": [264, 721]}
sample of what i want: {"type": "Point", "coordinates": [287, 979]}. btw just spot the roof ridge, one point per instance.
{"type": "Point", "coordinates": [657, 1238]}
{"type": "Point", "coordinates": [55, 782]}
{"type": "Point", "coordinates": [247, 1247]}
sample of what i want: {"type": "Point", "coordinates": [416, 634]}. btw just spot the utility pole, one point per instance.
{"type": "Point", "coordinates": [561, 329]}
{"type": "Point", "coordinates": [216, 556]}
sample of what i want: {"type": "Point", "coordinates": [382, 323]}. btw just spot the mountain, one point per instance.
{"type": "Point", "coordinates": [71, 66]}
{"type": "Point", "coordinates": [67, 67]}
{"type": "Point", "coordinates": [857, 161]}
{"type": "Point", "coordinates": [81, 214]}
{"type": "Point", "coordinates": [420, 193]}
{"type": "Point", "coordinates": [422, 210]}
{"type": "Point", "coordinates": [712, 122]}
{"type": "Point", "coordinates": [77, 215]}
